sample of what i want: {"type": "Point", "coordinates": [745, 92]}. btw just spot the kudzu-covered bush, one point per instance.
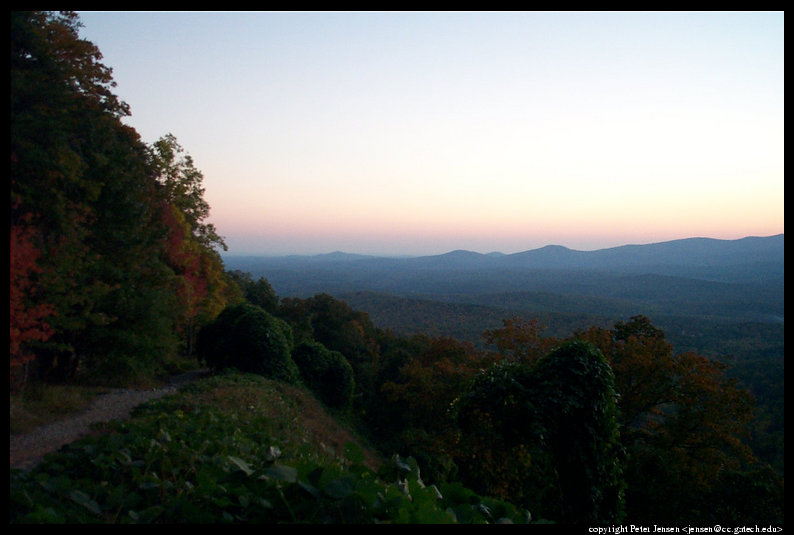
{"type": "Point", "coordinates": [247, 338]}
{"type": "Point", "coordinates": [327, 373]}
{"type": "Point", "coordinates": [549, 432]}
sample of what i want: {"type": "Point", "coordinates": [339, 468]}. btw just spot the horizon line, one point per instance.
{"type": "Point", "coordinates": [408, 255]}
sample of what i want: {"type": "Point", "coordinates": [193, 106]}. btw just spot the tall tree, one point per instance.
{"type": "Point", "coordinates": [683, 421]}
{"type": "Point", "coordinates": [202, 286]}
{"type": "Point", "coordinates": [546, 434]}
{"type": "Point", "coordinates": [181, 185]}
{"type": "Point", "coordinates": [61, 103]}
{"type": "Point", "coordinates": [126, 259]}
{"type": "Point", "coordinates": [28, 322]}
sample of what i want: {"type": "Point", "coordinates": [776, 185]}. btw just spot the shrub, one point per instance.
{"type": "Point", "coordinates": [249, 339]}
{"type": "Point", "coordinates": [327, 373]}
{"type": "Point", "coordinates": [555, 422]}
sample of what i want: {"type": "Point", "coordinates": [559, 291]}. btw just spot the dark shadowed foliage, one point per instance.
{"type": "Point", "coordinates": [247, 338]}
{"type": "Point", "coordinates": [327, 373]}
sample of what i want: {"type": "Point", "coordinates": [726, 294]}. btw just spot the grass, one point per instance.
{"type": "Point", "coordinates": [294, 415]}
{"type": "Point", "coordinates": [42, 404]}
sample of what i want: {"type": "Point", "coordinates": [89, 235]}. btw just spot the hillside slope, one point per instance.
{"type": "Point", "coordinates": [236, 448]}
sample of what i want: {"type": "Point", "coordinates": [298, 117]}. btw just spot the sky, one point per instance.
{"type": "Point", "coordinates": [414, 133]}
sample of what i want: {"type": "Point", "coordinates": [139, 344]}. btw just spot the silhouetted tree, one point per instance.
{"type": "Point", "coordinates": [556, 424]}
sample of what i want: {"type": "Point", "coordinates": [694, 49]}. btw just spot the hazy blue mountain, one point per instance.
{"type": "Point", "coordinates": [698, 277]}
{"type": "Point", "coordinates": [692, 252]}
{"type": "Point", "coordinates": [748, 259]}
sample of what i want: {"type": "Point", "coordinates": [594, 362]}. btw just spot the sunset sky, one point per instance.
{"type": "Point", "coordinates": [398, 133]}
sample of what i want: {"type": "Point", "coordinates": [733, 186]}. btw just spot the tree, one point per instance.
{"type": "Point", "coordinates": [247, 338]}
{"type": "Point", "coordinates": [327, 373]}
{"type": "Point", "coordinates": [546, 434]}
{"type": "Point", "coordinates": [181, 185]}
{"type": "Point", "coordinates": [200, 283]}
{"type": "Point", "coordinates": [28, 323]}
{"type": "Point", "coordinates": [258, 292]}
{"type": "Point", "coordinates": [61, 101]}
{"type": "Point", "coordinates": [683, 421]}
{"type": "Point", "coordinates": [520, 339]}
{"type": "Point", "coordinates": [432, 379]}
{"type": "Point", "coordinates": [125, 258]}
{"type": "Point", "coordinates": [426, 386]}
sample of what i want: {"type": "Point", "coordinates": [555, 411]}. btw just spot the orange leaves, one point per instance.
{"type": "Point", "coordinates": [679, 412]}
{"type": "Point", "coordinates": [519, 339]}
{"type": "Point", "coordinates": [431, 380]}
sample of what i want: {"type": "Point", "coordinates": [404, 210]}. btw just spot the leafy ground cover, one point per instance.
{"type": "Point", "coordinates": [236, 448]}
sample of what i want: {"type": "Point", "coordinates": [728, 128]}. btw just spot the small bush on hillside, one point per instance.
{"type": "Point", "coordinates": [327, 373]}
{"type": "Point", "coordinates": [249, 339]}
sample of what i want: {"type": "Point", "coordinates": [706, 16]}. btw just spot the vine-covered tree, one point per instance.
{"type": "Point", "coordinates": [546, 434]}
{"type": "Point", "coordinates": [327, 373]}
{"type": "Point", "coordinates": [684, 422]}
{"type": "Point", "coordinates": [334, 324]}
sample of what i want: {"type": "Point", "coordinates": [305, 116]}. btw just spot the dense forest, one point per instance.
{"type": "Point", "coordinates": [116, 274]}
{"type": "Point", "coordinates": [113, 266]}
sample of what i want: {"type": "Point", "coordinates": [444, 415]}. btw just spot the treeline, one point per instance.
{"type": "Point", "coordinates": [606, 425]}
{"type": "Point", "coordinates": [753, 351]}
{"type": "Point", "coordinates": [115, 273]}
{"type": "Point", "coordinates": [113, 265]}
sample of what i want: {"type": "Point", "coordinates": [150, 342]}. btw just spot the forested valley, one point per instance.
{"type": "Point", "coordinates": [574, 417]}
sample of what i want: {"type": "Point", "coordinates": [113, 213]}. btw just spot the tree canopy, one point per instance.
{"type": "Point", "coordinates": [113, 264]}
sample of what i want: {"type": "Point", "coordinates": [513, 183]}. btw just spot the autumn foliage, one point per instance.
{"type": "Point", "coordinates": [113, 265]}
{"type": "Point", "coordinates": [28, 321]}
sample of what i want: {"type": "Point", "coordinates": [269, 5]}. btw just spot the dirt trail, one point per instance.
{"type": "Point", "coordinates": [27, 449]}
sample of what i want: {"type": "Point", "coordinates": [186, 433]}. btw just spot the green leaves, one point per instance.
{"type": "Point", "coordinates": [249, 339]}
{"type": "Point", "coordinates": [241, 464]}
{"type": "Point", "coordinates": [549, 425]}
{"type": "Point", "coordinates": [210, 465]}
{"type": "Point", "coordinates": [83, 499]}
{"type": "Point", "coordinates": [121, 293]}
{"type": "Point", "coordinates": [282, 473]}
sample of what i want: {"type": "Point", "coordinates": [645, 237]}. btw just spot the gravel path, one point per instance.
{"type": "Point", "coordinates": [27, 449]}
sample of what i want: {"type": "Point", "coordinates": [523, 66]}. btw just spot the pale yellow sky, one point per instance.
{"type": "Point", "coordinates": [420, 133]}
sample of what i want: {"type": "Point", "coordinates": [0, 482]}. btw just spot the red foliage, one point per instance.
{"type": "Point", "coordinates": [185, 261]}
{"type": "Point", "coordinates": [26, 319]}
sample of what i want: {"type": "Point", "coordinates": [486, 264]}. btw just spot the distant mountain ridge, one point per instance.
{"type": "Point", "coordinates": [694, 253]}
{"type": "Point", "coordinates": [729, 280]}
{"type": "Point", "coordinates": [689, 251]}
